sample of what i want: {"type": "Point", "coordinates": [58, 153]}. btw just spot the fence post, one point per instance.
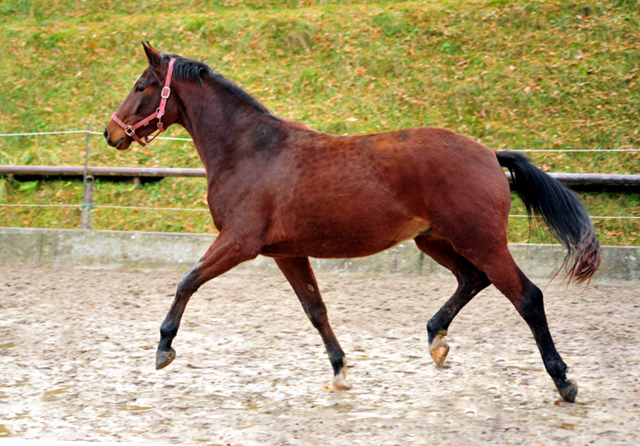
{"type": "Point", "coordinates": [87, 183]}
{"type": "Point", "coordinates": [87, 203]}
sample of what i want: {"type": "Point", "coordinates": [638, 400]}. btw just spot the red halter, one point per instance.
{"type": "Point", "coordinates": [130, 130]}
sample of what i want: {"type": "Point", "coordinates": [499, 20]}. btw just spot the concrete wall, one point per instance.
{"type": "Point", "coordinates": [164, 251]}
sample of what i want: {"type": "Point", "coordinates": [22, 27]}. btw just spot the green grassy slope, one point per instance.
{"type": "Point", "coordinates": [543, 75]}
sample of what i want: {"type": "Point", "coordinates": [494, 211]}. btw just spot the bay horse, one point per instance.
{"type": "Point", "coordinates": [280, 189]}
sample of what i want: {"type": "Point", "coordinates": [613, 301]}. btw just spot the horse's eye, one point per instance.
{"type": "Point", "coordinates": [139, 89]}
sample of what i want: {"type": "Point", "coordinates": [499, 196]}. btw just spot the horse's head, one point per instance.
{"type": "Point", "coordinates": [147, 108]}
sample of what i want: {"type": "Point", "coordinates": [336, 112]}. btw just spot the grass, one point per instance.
{"type": "Point", "coordinates": [542, 75]}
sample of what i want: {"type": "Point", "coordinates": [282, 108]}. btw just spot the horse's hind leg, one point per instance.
{"type": "Point", "coordinates": [529, 303]}
{"type": "Point", "coordinates": [298, 272]}
{"type": "Point", "coordinates": [496, 261]}
{"type": "Point", "coordinates": [470, 282]}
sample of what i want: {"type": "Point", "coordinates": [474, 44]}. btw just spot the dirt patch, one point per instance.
{"type": "Point", "coordinates": [77, 350]}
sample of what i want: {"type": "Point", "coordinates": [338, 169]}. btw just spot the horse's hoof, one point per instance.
{"type": "Point", "coordinates": [340, 382]}
{"type": "Point", "coordinates": [569, 392]}
{"type": "Point", "coordinates": [341, 386]}
{"type": "Point", "coordinates": [163, 359]}
{"type": "Point", "coordinates": [439, 349]}
{"type": "Point", "coordinates": [439, 354]}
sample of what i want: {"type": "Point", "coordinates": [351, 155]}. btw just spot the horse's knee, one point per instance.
{"type": "Point", "coordinates": [189, 283]}
{"type": "Point", "coordinates": [231, 254]}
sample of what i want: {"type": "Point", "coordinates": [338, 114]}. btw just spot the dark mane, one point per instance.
{"type": "Point", "coordinates": [193, 71]}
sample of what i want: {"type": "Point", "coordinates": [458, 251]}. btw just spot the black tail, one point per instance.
{"type": "Point", "coordinates": [550, 201]}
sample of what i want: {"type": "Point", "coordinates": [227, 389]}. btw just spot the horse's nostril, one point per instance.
{"type": "Point", "coordinates": [106, 133]}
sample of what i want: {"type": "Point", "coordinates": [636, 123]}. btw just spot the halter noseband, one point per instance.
{"type": "Point", "coordinates": [130, 130]}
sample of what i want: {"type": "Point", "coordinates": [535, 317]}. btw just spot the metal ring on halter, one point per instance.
{"type": "Point", "coordinates": [130, 131]}
{"type": "Point", "coordinates": [160, 114]}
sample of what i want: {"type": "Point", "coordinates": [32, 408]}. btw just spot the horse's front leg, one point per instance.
{"type": "Point", "coordinates": [225, 253]}
{"type": "Point", "coordinates": [298, 272]}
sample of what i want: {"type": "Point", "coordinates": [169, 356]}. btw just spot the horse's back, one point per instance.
{"type": "Point", "coordinates": [432, 168]}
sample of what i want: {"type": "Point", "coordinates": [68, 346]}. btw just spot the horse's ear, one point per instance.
{"type": "Point", "coordinates": [153, 56]}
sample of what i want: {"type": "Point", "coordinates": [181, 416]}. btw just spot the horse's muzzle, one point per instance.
{"type": "Point", "coordinates": [110, 136]}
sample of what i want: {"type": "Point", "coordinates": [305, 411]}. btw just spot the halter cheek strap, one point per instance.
{"type": "Point", "coordinates": [130, 130]}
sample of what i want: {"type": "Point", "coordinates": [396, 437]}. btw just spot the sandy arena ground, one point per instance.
{"type": "Point", "coordinates": [77, 352]}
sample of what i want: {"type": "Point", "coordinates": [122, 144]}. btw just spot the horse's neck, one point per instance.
{"type": "Point", "coordinates": [222, 127]}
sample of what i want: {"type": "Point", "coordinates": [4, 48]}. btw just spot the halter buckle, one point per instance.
{"type": "Point", "coordinates": [166, 91]}
{"type": "Point", "coordinates": [130, 131]}
{"type": "Point", "coordinates": [160, 114]}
